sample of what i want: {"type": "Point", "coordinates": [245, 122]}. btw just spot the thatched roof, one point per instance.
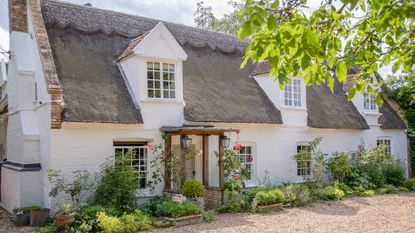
{"type": "Point", "coordinates": [216, 90]}
{"type": "Point", "coordinates": [332, 110]}
{"type": "Point", "coordinates": [86, 53]}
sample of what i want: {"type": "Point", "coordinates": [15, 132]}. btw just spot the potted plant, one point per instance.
{"type": "Point", "coordinates": [21, 216]}
{"type": "Point", "coordinates": [38, 216]}
{"type": "Point", "coordinates": [271, 199]}
{"type": "Point", "coordinates": [195, 190]}
{"type": "Point", "coordinates": [65, 215]}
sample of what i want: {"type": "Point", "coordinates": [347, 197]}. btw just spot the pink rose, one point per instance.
{"type": "Point", "coordinates": [235, 178]}
{"type": "Point", "coordinates": [238, 146]}
{"type": "Point", "coordinates": [151, 146]}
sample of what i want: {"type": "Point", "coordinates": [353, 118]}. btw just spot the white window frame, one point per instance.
{"type": "Point", "coordinates": [294, 98]}
{"type": "Point", "coordinates": [308, 162]}
{"type": "Point", "coordinates": [134, 166]}
{"type": "Point", "coordinates": [251, 181]}
{"type": "Point", "coordinates": [369, 102]}
{"type": "Point", "coordinates": [161, 88]}
{"type": "Point", "coordinates": [382, 140]}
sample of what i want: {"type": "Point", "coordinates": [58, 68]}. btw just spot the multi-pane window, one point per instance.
{"type": "Point", "coordinates": [385, 143]}
{"type": "Point", "coordinates": [247, 160]}
{"type": "Point", "coordinates": [304, 164]}
{"type": "Point", "coordinates": [369, 102]}
{"type": "Point", "coordinates": [292, 93]}
{"type": "Point", "coordinates": [161, 81]}
{"type": "Point", "coordinates": [135, 156]}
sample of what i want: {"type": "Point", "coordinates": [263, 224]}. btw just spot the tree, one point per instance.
{"type": "Point", "coordinates": [229, 23]}
{"type": "Point", "coordinates": [323, 44]}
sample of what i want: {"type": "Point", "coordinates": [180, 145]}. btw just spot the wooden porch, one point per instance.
{"type": "Point", "coordinates": [204, 132]}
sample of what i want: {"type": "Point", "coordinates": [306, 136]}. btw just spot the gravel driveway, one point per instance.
{"type": "Point", "coordinates": [387, 213]}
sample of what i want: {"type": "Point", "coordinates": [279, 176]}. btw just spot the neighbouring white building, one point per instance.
{"type": "Point", "coordinates": [85, 82]}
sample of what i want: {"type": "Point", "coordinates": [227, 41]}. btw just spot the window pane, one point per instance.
{"type": "Point", "coordinates": [150, 84]}
{"type": "Point", "coordinates": [157, 93]}
{"type": "Point", "coordinates": [166, 94]}
{"type": "Point", "coordinates": [172, 85]}
{"type": "Point", "coordinates": [172, 76]}
{"type": "Point", "coordinates": [165, 67]}
{"type": "Point", "coordinates": [150, 93]}
{"type": "Point", "coordinates": [172, 94]}
{"type": "Point", "coordinates": [165, 76]}
{"type": "Point", "coordinates": [171, 67]}
{"type": "Point", "coordinates": [150, 74]}
{"type": "Point", "coordinates": [157, 84]}
{"type": "Point", "coordinates": [156, 75]}
{"type": "Point", "coordinates": [150, 65]}
{"type": "Point", "coordinates": [156, 66]}
{"type": "Point", "coordinates": [166, 85]}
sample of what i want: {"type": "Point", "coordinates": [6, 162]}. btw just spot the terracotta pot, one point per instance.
{"type": "Point", "coordinates": [64, 220]}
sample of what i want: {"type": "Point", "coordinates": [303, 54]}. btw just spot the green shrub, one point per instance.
{"type": "Point", "coordinates": [117, 185]}
{"type": "Point", "coordinates": [328, 193]}
{"type": "Point", "coordinates": [193, 188]}
{"type": "Point", "coordinates": [88, 216]}
{"type": "Point", "coordinates": [394, 173]}
{"type": "Point", "coordinates": [49, 228]}
{"type": "Point", "coordinates": [343, 187]}
{"type": "Point", "coordinates": [208, 216]}
{"type": "Point", "coordinates": [339, 165]}
{"type": "Point", "coordinates": [409, 184]}
{"type": "Point", "coordinates": [168, 208]}
{"type": "Point", "coordinates": [369, 193]}
{"type": "Point", "coordinates": [233, 207]}
{"type": "Point", "coordinates": [297, 194]}
{"type": "Point", "coordinates": [269, 197]}
{"type": "Point", "coordinates": [127, 223]}
{"type": "Point", "coordinates": [375, 172]}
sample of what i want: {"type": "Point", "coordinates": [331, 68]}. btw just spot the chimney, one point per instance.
{"type": "Point", "coordinates": [18, 15]}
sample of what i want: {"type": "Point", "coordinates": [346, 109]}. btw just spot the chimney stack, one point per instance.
{"type": "Point", "coordinates": [17, 15]}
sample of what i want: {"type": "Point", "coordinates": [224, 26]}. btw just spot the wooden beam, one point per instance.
{"type": "Point", "coordinates": [167, 163]}
{"type": "Point", "coordinates": [183, 162]}
{"type": "Point", "coordinates": [206, 160]}
{"type": "Point", "coordinates": [221, 164]}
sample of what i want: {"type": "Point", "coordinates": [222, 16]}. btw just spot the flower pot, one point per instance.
{"type": "Point", "coordinates": [22, 219]}
{"type": "Point", "coordinates": [64, 220]}
{"type": "Point", "coordinates": [38, 217]}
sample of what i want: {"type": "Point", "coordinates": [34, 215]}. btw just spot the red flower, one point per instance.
{"type": "Point", "coordinates": [238, 146]}
{"type": "Point", "coordinates": [235, 178]}
{"type": "Point", "coordinates": [238, 131]}
{"type": "Point", "coordinates": [250, 158]}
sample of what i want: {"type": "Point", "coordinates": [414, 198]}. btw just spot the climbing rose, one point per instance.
{"type": "Point", "coordinates": [238, 131]}
{"type": "Point", "coordinates": [250, 158]}
{"type": "Point", "coordinates": [223, 158]}
{"type": "Point", "coordinates": [151, 146]}
{"type": "Point", "coordinates": [235, 178]}
{"type": "Point", "coordinates": [238, 146]}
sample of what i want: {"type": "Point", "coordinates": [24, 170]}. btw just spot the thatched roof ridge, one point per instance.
{"type": "Point", "coordinates": [89, 20]}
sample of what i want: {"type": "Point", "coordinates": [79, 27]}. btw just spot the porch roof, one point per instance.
{"type": "Point", "coordinates": [196, 130]}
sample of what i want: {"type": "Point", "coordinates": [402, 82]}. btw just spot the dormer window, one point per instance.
{"type": "Point", "coordinates": [369, 102]}
{"type": "Point", "coordinates": [292, 93]}
{"type": "Point", "coordinates": [161, 80]}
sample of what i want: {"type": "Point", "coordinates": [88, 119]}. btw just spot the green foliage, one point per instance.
{"type": "Point", "coordinates": [229, 23]}
{"type": "Point", "coordinates": [117, 185]}
{"type": "Point", "coordinates": [394, 173]}
{"type": "Point", "coordinates": [88, 216]}
{"type": "Point", "coordinates": [369, 193]}
{"type": "Point", "coordinates": [324, 42]}
{"type": "Point", "coordinates": [318, 163]}
{"type": "Point", "coordinates": [339, 165]}
{"type": "Point", "coordinates": [297, 194]}
{"type": "Point", "coordinates": [328, 193]}
{"type": "Point", "coordinates": [234, 207]}
{"type": "Point", "coordinates": [127, 223]}
{"type": "Point", "coordinates": [80, 184]}
{"type": "Point", "coordinates": [168, 208]}
{"type": "Point", "coordinates": [208, 216]}
{"type": "Point", "coordinates": [193, 188]}
{"type": "Point", "coordinates": [270, 197]}
{"type": "Point", "coordinates": [409, 184]}
{"type": "Point", "coordinates": [49, 228]}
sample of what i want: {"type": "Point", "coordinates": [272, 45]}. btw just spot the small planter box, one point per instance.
{"type": "Point", "coordinates": [39, 217]}
{"type": "Point", "coordinates": [22, 219]}
{"type": "Point", "coordinates": [269, 207]}
{"type": "Point", "coordinates": [183, 221]}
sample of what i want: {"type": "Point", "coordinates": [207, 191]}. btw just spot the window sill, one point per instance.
{"type": "Point", "coordinates": [161, 101]}
{"type": "Point", "coordinates": [293, 108]}
{"type": "Point", "coordinates": [366, 112]}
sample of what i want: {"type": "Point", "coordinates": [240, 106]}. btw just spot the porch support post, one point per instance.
{"type": "Point", "coordinates": [221, 164]}
{"type": "Point", "coordinates": [167, 163]}
{"type": "Point", "coordinates": [183, 161]}
{"type": "Point", "coordinates": [206, 160]}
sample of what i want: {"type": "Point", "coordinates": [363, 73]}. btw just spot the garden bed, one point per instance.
{"type": "Point", "coordinates": [183, 221]}
{"type": "Point", "coordinates": [277, 206]}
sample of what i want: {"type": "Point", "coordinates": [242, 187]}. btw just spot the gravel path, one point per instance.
{"type": "Point", "coordinates": [387, 213]}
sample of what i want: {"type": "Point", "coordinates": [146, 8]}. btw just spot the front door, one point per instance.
{"type": "Point", "coordinates": [190, 162]}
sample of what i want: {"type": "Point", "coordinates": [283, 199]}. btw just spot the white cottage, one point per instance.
{"type": "Point", "coordinates": [85, 82]}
